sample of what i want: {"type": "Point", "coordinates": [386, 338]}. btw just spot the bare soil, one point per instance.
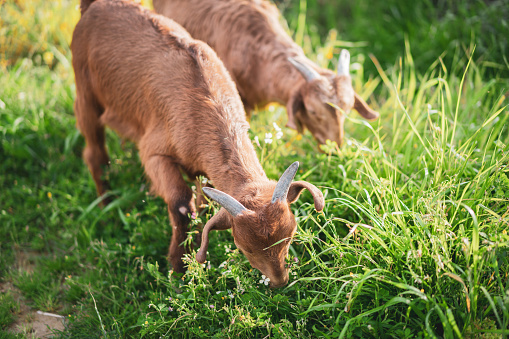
{"type": "Point", "coordinates": [29, 321]}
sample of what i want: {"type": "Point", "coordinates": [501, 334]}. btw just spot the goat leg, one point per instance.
{"type": "Point", "coordinates": [88, 113]}
{"type": "Point", "coordinates": [168, 183]}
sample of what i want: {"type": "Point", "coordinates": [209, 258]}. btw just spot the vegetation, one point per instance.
{"type": "Point", "coordinates": [413, 240]}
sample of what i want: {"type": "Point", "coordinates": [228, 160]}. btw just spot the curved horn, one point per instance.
{"type": "Point", "coordinates": [344, 63]}
{"type": "Point", "coordinates": [229, 203]}
{"type": "Point", "coordinates": [283, 185]}
{"type": "Point", "coordinates": [307, 72]}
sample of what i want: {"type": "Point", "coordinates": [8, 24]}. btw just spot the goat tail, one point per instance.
{"type": "Point", "coordinates": [84, 5]}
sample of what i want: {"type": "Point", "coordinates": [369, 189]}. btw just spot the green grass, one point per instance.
{"type": "Point", "coordinates": [8, 307]}
{"type": "Point", "coordinates": [436, 28]}
{"type": "Point", "coordinates": [412, 243]}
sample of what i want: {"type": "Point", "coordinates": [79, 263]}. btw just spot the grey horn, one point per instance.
{"type": "Point", "coordinates": [344, 63]}
{"type": "Point", "coordinates": [307, 72]}
{"type": "Point", "coordinates": [229, 203]}
{"type": "Point", "coordinates": [283, 185]}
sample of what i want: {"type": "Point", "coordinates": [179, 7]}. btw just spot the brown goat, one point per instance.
{"type": "Point", "coordinates": [267, 65]}
{"type": "Point", "coordinates": [142, 75]}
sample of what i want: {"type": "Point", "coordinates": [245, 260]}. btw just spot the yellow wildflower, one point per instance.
{"type": "Point", "coordinates": [48, 57]}
{"type": "Point", "coordinates": [330, 53]}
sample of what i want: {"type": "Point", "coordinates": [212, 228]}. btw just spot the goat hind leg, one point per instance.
{"type": "Point", "coordinates": [88, 113]}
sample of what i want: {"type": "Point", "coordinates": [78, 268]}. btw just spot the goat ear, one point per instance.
{"type": "Point", "coordinates": [362, 107]}
{"type": "Point", "coordinates": [294, 105]}
{"type": "Point", "coordinates": [296, 189]}
{"type": "Point", "coordinates": [220, 221]}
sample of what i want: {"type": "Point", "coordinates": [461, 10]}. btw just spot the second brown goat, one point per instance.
{"type": "Point", "coordinates": [144, 76]}
{"type": "Point", "coordinates": [268, 66]}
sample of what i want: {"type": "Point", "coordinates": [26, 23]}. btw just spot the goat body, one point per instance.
{"type": "Point", "coordinates": [142, 75]}
{"type": "Point", "coordinates": [261, 58]}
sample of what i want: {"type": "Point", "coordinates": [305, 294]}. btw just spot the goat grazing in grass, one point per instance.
{"type": "Point", "coordinates": [268, 66]}
{"type": "Point", "coordinates": [143, 75]}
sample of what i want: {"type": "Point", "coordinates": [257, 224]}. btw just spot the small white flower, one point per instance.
{"type": "Point", "coordinates": [431, 111]}
{"type": "Point", "coordinates": [268, 138]}
{"type": "Point", "coordinates": [257, 140]}
{"type": "Point", "coordinates": [279, 132]}
{"type": "Point", "coordinates": [204, 180]}
{"type": "Point", "coordinates": [265, 280]}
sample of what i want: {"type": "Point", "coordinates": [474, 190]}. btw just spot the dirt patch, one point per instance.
{"type": "Point", "coordinates": [32, 323]}
{"type": "Point", "coordinates": [24, 262]}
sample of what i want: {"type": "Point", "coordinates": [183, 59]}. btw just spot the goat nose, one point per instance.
{"type": "Point", "coordinates": [273, 285]}
{"type": "Point", "coordinates": [279, 283]}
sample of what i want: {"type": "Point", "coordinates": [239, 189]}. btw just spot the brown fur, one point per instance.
{"type": "Point", "coordinates": [142, 75]}
{"type": "Point", "coordinates": [247, 36]}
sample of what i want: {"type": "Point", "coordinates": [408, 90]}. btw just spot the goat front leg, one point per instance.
{"type": "Point", "coordinates": [168, 183]}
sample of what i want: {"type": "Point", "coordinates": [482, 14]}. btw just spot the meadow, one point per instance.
{"type": "Point", "coordinates": [413, 241]}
